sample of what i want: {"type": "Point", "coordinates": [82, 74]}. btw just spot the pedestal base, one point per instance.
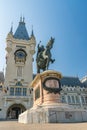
{"type": "Point", "coordinates": [52, 113]}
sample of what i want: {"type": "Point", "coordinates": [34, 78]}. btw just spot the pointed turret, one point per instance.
{"type": "Point", "coordinates": [21, 32]}
{"type": "Point", "coordinates": [32, 42]}
{"type": "Point", "coordinates": [11, 30]}
{"type": "Point", "coordinates": [9, 39]}
{"type": "Point", "coordinates": [32, 33]}
{"type": "Point", "coordinates": [10, 34]}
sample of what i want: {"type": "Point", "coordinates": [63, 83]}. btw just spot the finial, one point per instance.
{"type": "Point", "coordinates": [32, 33]}
{"type": "Point", "coordinates": [11, 30]}
{"type": "Point", "coordinates": [23, 19]}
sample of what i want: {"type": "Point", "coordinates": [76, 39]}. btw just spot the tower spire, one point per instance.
{"type": "Point", "coordinates": [32, 33]}
{"type": "Point", "coordinates": [11, 30]}
{"type": "Point", "coordinates": [21, 19]}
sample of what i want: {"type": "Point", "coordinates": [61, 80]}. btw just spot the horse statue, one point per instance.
{"type": "Point", "coordinates": [43, 57]}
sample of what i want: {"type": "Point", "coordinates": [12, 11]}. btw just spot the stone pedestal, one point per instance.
{"type": "Point", "coordinates": [47, 107]}
{"type": "Point", "coordinates": [46, 87]}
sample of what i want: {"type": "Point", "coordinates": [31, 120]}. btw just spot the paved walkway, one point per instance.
{"type": "Point", "coordinates": [14, 125]}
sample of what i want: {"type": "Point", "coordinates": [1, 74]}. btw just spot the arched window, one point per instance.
{"type": "Point", "coordinates": [20, 56]}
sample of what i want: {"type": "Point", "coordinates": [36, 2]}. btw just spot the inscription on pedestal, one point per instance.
{"type": "Point", "coordinates": [52, 85]}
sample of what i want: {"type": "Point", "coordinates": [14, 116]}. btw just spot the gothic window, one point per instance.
{"type": "Point", "coordinates": [24, 91]}
{"type": "Point", "coordinates": [12, 91]}
{"type": "Point", "coordinates": [19, 71]}
{"type": "Point", "coordinates": [18, 91]}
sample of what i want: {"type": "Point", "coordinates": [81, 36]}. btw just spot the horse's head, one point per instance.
{"type": "Point", "coordinates": [50, 43]}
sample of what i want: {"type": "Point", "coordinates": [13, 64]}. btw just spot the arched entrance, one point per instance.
{"type": "Point", "coordinates": [14, 111]}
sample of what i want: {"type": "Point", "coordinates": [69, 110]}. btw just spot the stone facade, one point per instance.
{"type": "Point", "coordinates": [16, 95]}
{"type": "Point", "coordinates": [74, 92]}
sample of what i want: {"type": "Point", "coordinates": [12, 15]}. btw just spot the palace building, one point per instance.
{"type": "Point", "coordinates": [74, 92]}
{"type": "Point", "coordinates": [16, 95]}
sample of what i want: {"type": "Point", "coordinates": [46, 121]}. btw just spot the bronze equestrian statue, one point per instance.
{"type": "Point", "coordinates": [43, 57]}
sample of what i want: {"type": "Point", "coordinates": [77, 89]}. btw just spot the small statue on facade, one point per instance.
{"type": "Point", "coordinates": [43, 57]}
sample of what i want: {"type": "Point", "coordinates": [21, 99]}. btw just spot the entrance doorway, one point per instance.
{"type": "Point", "coordinates": [14, 111]}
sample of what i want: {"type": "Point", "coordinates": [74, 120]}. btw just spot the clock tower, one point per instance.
{"type": "Point", "coordinates": [19, 72]}
{"type": "Point", "coordinates": [20, 49]}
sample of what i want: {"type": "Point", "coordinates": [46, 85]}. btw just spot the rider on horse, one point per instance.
{"type": "Point", "coordinates": [44, 56]}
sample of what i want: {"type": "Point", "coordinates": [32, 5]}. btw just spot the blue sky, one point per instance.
{"type": "Point", "coordinates": [65, 20]}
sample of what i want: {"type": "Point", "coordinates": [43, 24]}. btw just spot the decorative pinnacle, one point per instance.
{"type": "Point", "coordinates": [22, 19]}
{"type": "Point", "coordinates": [32, 33]}
{"type": "Point", "coordinates": [11, 30]}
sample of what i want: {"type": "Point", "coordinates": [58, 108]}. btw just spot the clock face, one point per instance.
{"type": "Point", "coordinates": [20, 54]}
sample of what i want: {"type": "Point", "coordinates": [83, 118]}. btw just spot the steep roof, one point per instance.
{"type": "Point", "coordinates": [71, 81]}
{"type": "Point", "coordinates": [21, 32]}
